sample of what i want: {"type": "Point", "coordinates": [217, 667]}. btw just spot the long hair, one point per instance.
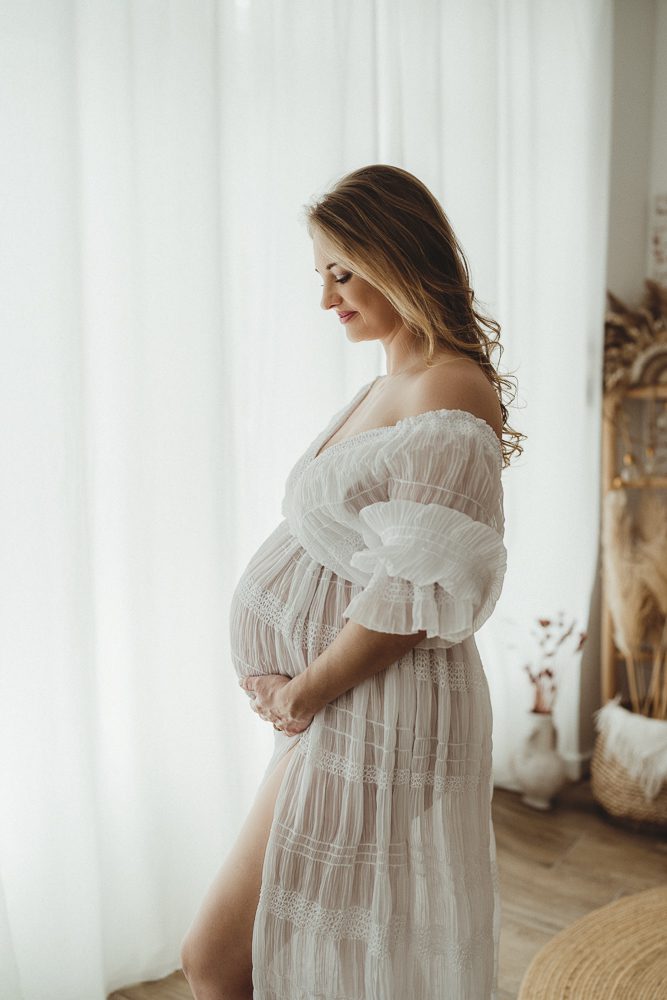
{"type": "Point", "coordinates": [386, 226]}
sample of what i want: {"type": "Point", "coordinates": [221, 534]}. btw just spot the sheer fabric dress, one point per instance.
{"type": "Point", "coordinates": [380, 879]}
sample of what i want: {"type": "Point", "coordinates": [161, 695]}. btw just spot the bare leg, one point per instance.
{"type": "Point", "coordinates": [216, 953]}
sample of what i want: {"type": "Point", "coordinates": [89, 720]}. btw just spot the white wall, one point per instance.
{"type": "Point", "coordinates": [637, 161]}
{"type": "Point", "coordinates": [658, 171]}
{"type": "Point", "coordinates": [658, 158]}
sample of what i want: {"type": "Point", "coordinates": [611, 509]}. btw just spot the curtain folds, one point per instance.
{"type": "Point", "coordinates": [165, 360]}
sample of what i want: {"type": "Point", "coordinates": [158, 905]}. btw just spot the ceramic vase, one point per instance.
{"type": "Point", "coordinates": [539, 768]}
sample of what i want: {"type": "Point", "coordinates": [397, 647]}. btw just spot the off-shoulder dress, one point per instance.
{"type": "Point", "coordinates": [380, 879]}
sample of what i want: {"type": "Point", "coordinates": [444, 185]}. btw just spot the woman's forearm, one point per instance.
{"type": "Point", "coordinates": [355, 654]}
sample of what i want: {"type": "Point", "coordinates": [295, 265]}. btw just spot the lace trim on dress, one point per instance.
{"type": "Point", "coordinates": [355, 771]}
{"type": "Point", "coordinates": [276, 614]}
{"type": "Point", "coordinates": [457, 675]}
{"type": "Point", "coordinates": [357, 922]}
{"type": "Point", "coordinates": [310, 634]}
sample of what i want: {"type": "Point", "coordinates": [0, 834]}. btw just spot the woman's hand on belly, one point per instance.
{"type": "Point", "coordinates": [270, 699]}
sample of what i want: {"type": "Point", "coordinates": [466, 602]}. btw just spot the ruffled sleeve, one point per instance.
{"type": "Point", "coordinates": [434, 557]}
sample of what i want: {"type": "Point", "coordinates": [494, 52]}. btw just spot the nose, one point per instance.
{"type": "Point", "coordinates": [330, 297]}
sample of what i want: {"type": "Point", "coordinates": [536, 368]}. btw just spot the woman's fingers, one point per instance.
{"type": "Point", "coordinates": [263, 715]}
{"type": "Point", "coordinates": [267, 702]}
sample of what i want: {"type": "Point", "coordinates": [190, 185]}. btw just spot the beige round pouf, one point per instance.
{"type": "Point", "coordinates": [618, 952]}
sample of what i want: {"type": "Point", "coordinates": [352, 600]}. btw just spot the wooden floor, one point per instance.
{"type": "Point", "coordinates": [554, 867]}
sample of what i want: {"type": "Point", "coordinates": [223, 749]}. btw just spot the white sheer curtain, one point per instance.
{"type": "Point", "coordinates": [164, 362]}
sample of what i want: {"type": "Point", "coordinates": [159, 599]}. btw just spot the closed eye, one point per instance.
{"type": "Point", "coordinates": [341, 280]}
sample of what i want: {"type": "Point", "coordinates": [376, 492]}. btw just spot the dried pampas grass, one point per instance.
{"type": "Point", "coordinates": [635, 341]}
{"type": "Point", "coordinates": [652, 549]}
{"type": "Point", "coordinates": [625, 591]}
{"type": "Point", "coordinates": [635, 578]}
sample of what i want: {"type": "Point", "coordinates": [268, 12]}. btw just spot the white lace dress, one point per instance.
{"type": "Point", "coordinates": [380, 878]}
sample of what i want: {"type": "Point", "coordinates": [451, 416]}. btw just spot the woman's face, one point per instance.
{"type": "Point", "coordinates": [366, 313]}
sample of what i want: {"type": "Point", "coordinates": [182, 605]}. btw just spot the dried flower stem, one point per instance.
{"type": "Point", "coordinates": [660, 707]}
{"type": "Point", "coordinates": [632, 682]}
{"type": "Point", "coordinates": [550, 639]}
{"type": "Point", "coordinates": [652, 701]}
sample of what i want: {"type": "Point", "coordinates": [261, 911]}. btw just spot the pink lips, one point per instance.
{"type": "Point", "coordinates": [345, 316]}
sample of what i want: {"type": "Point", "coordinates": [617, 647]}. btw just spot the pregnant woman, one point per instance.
{"type": "Point", "coordinates": [366, 867]}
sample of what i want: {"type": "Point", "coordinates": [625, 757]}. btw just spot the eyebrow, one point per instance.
{"type": "Point", "coordinates": [332, 264]}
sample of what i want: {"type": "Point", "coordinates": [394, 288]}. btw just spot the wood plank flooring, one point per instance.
{"type": "Point", "coordinates": [554, 867]}
{"type": "Point", "coordinates": [557, 866]}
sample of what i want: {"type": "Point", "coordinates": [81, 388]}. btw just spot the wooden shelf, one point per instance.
{"type": "Point", "coordinates": [643, 483]}
{"type": "Point", "coordinates": [647, 392]}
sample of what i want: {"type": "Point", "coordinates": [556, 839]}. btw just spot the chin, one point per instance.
{"type": "Point", "coordinates": [359, 334]}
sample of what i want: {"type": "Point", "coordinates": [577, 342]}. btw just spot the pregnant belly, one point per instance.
{"type": "Point", "coordinates": [256, 645]}
{"type": "Point", "coordinates": [266, 610]}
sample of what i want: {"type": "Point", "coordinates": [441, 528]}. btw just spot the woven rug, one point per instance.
{"type": "Point", "coordinates": [618, 952]}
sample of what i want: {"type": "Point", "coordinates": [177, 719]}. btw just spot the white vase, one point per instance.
{"type": "Point", "coordinates": [539, 768]}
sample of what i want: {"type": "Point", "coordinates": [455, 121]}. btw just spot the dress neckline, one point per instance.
{"type": "Point", "coordinates": [320, 448]}
{"type": "Point", "coordinates": [355, 403]}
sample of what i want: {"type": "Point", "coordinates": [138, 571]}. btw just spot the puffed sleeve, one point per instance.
{"type": "Point", "coordinates": [434, 556]}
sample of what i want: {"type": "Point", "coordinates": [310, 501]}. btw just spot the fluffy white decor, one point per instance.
{"type": "Point", "coordinates": [637, 742]}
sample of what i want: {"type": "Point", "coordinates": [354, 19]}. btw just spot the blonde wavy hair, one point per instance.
{"type": "Point", "coordinates": [385, 225]}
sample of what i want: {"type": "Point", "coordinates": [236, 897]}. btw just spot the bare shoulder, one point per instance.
{"type": "Point", "coordinates": [459, 385]}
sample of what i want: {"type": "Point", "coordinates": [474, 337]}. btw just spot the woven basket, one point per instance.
{"type": "Point", "coordinates": [616, 952]}
{"type": "Point", "coordinates": [621, 795]}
